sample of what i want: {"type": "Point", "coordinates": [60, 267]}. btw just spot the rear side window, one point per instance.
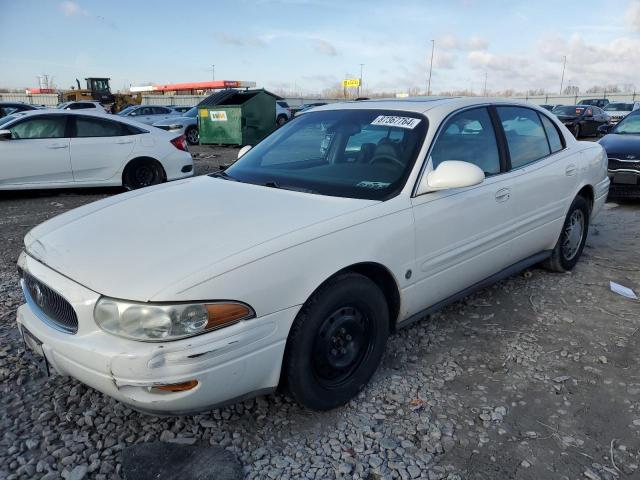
{"type": "Point", "coordinates": [555, 142]}
{"type": "Point", "coordinates": [526, 138]}
{"type": "Point", "coordinates": [40, 127]}
{"type": "Point", "coordinates": [97, 127]}
{"type": "Point", "coordinates": [468, 136]}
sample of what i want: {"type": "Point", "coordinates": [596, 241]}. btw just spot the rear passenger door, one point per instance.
{"type": "Point", "coordinates": [543, 176]}
{"type": "Point", "coordinates": [99, 147]}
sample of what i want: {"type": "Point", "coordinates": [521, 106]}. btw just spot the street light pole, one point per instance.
{"type": "Point", "coordinates": [360, 86]}
{"type": "Point", "coordinates": [213, 72]}
{"type": "Point", "coordinates": [433, 46]}
{"type": "Point", "coordinates": [485, 84]}
{"type": "Point", "coordinates": [564, 64]}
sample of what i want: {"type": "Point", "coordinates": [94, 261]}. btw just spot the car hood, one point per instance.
{"type": "Point", "coordinates": [621, 146]}
{"type": "Point", "coordinates": [137, 244]}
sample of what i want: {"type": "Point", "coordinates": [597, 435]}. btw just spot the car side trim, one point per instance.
{"type": "Point", "coordinates": [501, 275]}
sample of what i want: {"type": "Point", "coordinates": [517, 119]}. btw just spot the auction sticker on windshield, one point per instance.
{"type": "Point", "coordinates": [218, 116]}
{"type": "Point", "coordinates": [393, 121]}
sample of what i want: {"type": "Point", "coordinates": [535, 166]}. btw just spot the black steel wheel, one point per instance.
{"type": "Point", "coordinates": [336, 342]}
{"type": "Point", "coordinates": [141, 173]}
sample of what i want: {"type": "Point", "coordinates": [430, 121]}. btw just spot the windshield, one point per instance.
{"type": "Point", "coordinates": [347, 153]}
{"type": "Point", "coordinates": [619, 107]}
{"type": "Point", "coordinates": [63, 105]}
{"type": "Point", "coordinates": [629, 125]}
{"type": "Point", "coordinates": [126, 110]}
{"type": "Point", "coordinates": [192, 112]}
{"type": "Point", "coordinates": [570, 110]}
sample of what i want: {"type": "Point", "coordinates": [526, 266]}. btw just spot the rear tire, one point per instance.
{"type": "Point", "coordinates": [336, 342]}
{"type": "Point", "coordinates": [142, 172]}
{"type": "Point", "coordinates": [576, 130]}
{"type": "Point", "coordinates": [567, 251]}
{"type": "Point", "coordinates": [193, 136]}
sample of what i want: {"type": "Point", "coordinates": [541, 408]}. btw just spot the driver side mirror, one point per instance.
{"type": "Point", "coordinates": [5, 134]}
{"type": "Point", "coordinates": [243, 150]}
{"type": "Point", "coordinates": [451, 174]}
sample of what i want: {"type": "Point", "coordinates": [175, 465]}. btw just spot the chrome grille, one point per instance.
{"type": "Point", "coordinates": [617, 164]}
{"type": "Point", "coordinates": [51, 307]}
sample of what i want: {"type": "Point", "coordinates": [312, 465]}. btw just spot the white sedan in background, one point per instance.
{"type": "Point", "coordinates": [294, 265]}
{"type": "Point", "coordinates": [63, 149]}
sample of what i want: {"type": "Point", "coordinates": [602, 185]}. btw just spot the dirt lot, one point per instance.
{"type": "Point", "coordinates": [534, 378]}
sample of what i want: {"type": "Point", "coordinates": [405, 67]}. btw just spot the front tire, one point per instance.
{"type": "Point", "coordinates": [193, 136]}
{"type": "Point", "coordinates": [141, 173]}
{"type": "Point", "coordinates": [336, 342]}
{"type": "Point", "coordinates": [567, 251]}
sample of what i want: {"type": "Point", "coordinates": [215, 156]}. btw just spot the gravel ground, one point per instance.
{"type": "Point", "coordinates": [533, 378]}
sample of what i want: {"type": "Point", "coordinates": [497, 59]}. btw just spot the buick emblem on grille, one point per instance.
{"type": "Point", "coordinates": [39, 295]}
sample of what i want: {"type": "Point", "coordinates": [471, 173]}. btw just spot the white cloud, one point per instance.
{"type": "Point", "coordinates": [70, 8]}
{"type": "Point", "coordinates": [239, 41]}
{"type": "Point", "coordinates": [324, 47]}
{"type": "Point", "coordinates": [632, 17]}
{"type": "Point", "coordinates": [453, 42]}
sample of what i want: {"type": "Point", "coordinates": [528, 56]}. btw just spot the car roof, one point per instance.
{"type": "Point", "coordinates": [421, 104]}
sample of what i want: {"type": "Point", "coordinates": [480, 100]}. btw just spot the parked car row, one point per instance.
{"type": "Point", "coordinates": [622, 144]}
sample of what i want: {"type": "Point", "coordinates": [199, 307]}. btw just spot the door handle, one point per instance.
{"type": "Point", "coordinates": [570, 170]}
{"type": "Point", "coordinates": [57, 145]}
{"type": "Point", "coordinates": [503, 194]}
{"type": "Point", "coordinates": [124, 142]}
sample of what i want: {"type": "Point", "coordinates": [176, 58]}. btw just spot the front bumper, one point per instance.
{"type": "Point", "coordinates": [229, 364]}
{"type": "Point", "coordinates": [625, 183]}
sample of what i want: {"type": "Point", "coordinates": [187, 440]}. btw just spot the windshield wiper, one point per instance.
{"type": "Point", "coordinates": [224, 175]}
{"type": "Point", "coordinates": [273, 184]}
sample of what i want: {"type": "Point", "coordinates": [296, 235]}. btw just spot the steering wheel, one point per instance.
{"type": "Point", "coordinates": [387, 158]}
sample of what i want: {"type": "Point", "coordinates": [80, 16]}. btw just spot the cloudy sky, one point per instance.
{"type": "Point", "coordinates": [309, 45]}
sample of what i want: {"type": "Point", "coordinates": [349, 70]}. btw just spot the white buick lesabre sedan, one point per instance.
{"type": "Point", "coordinates": [82, 148]}
{"type": "Point", "coordinates": [293, 266]}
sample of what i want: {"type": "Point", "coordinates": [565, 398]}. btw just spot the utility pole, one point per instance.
{"type": "Point", "coordinates": [485, 84]}
{"type": "Point", "coordinates": [360, 86]}
{"type": "Point", "coordinates": [564, 64]}
{"type": "Point", "coordinates": [433, 46]}
{"type": "Point", "coordinates": [213, 72]}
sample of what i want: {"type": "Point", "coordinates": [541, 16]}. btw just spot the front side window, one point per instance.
{"type": "Point", "coordinates": [160, 111]}
{"type": "Point", "coordinates": [348, 153]}
{"type": "Point", "coordinates": [40, 127]}
{"type": "Point", "coordinates": [526, 138]}
{"type": "Point", "coordinates": [96, 127]}
{"type": "Point", "coordinates": [468, 136]}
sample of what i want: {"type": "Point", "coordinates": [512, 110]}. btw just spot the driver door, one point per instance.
{"type": "Point", "coordinates": [462, 234]}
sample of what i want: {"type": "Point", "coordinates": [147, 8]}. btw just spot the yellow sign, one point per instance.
{"type": "Point", "coordinates": [351, 82]}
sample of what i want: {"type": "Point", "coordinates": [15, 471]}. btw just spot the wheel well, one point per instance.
{"type": "Point", "coordinates": [382, 277]}
{"type": "Point", "coordinates": [138, 159]}
{"type": "Point", "coordinates": [586, 192]}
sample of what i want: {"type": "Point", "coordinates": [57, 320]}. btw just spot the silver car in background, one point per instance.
{"type": "Point", "coordinates": [187, 125]}
{"type": "Point", "coordinates": [148, 114]}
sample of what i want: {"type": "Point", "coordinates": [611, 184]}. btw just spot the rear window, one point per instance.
{"type": "Point", "coordinates": [619, 107]}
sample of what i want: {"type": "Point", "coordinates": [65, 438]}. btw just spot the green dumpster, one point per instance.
{"type": "Point", "coordinates": [237, 117]}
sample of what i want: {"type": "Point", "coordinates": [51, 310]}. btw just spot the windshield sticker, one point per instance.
{"type": "Point", "coordinates": [218, 116]}
{"type": "Point", "coordinates": [392, 121]}
{"type": "Point", "coordinates": [373, 185]}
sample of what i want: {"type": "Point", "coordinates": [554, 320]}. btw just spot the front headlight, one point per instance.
{"type": "Point", "coordinates": [151, 322]}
